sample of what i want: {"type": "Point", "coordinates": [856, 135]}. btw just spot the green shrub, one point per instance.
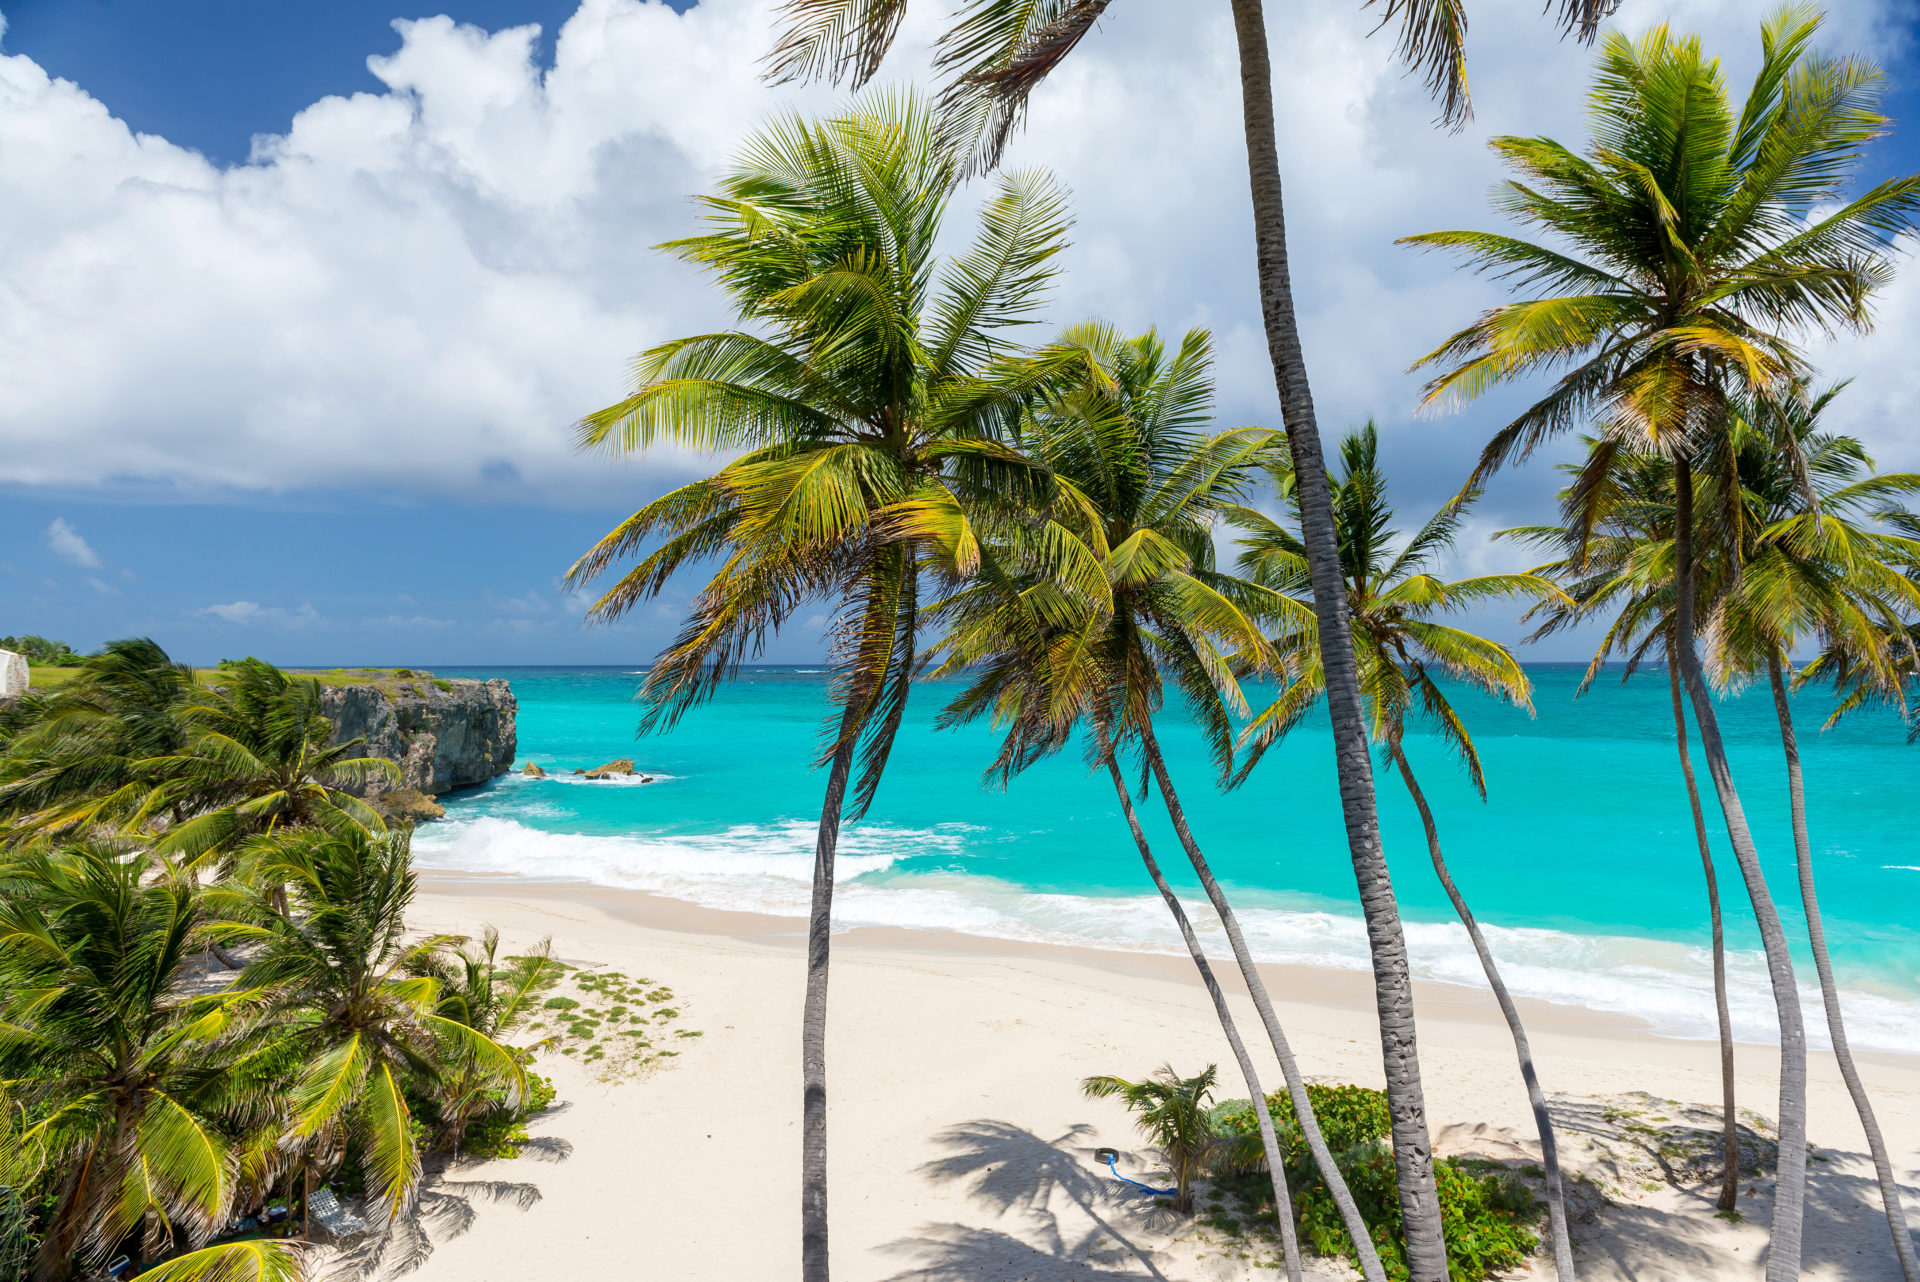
{"type": "Point", "coordinates": [443, 683]}
{"type": "Point", "coordinates": [1485, 1217]}
{"type": "Point", "coordinates": [560, 1003]}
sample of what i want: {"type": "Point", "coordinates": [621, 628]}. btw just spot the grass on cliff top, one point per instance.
{"type": "Point", "coordinates": [389, 680]}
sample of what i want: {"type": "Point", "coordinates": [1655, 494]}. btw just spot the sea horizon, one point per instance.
{"type": "Point", "coordinates": [1590, 889]}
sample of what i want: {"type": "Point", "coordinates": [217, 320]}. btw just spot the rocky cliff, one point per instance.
{"type": "Point", "coordinates": [444, 734]}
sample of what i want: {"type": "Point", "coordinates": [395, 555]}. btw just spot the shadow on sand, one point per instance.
{"type": "Point", "coordinates": [1050, 1185]}
{"type": "Point", "coordinates": [446, 1208]}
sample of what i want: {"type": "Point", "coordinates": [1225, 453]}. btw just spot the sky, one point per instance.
{"type": "Point", "coordinates": [298, 301]}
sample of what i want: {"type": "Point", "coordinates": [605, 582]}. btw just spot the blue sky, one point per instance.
{"type": "Point", "coordinates": [294, 338]}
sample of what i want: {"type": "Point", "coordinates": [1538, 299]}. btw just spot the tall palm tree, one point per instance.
{"type": "Point", "coordinates": [1698, 240]}
{"type": "Point", "coordinates": [74, 759]}
{"type": "Point", "coordinates": [1617, 557]}
{"type": "Point", "coordinates": [106, 1043]}
{"type": "Point", "coordinates": [865, 401]}
{"type": "Point", "coordinates": [994, 55]}
{"type": "Point", "coordinates": [345, 1014]}
{"type": "Point", "coordinates": [1394, 598]}
{"type": "Point", "coordinates": [1813, 559]}
{"type": "Point", "coordinates": [258, 757]}
{"type": "Point", "coordinates": [1140, 480]}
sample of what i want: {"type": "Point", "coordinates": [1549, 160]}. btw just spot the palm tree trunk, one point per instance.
{"type": "Point", "coordinates": [1730, 1125]}
{"type": "Point", "coordinates": [1393, 979]}
{"type": "Point", "coordinates": [1829, 993]}
{"type": "Point", "coordinates": [1542, 1119]}
{"type": "Point", "coordinates": [813, 1022]}
{"type": "Point", "coordinates": [1790, 1181]}
{"type": "Point", "coordinates": [1269, 1142]}
{"type": "Point", "coordinates": [1350, 1215]}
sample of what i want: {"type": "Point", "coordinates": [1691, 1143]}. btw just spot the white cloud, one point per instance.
{"type": "Point", "coordinates": [423, 287]}
{"type": "Point", "coordinates": [69, 546]}
{"type": "Point", "coordinates": [251, 612]}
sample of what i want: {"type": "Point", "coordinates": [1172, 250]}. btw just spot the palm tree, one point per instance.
{"type": "Point", "coordinates": [344, 1013]}
{"type": "Point", "coordinates": [1698, 240]}
{"type": "Point", "coordinates": [1172, 1112]}
{"type": "Point", "coordinates": [994, 55]}
{"type": "Point", "coordinates": [1140, 480]}
{"type": "Point", "coordinates": [481, 991]}
{"type": "Point", "coordinates": [1811, 558]}
{"type": "Point", "coordinates": [1393, 598]}
{"type": "Point", "coordinates": [258, 756]}
{"type": "Point", "coordinates": [867, 408]}
{"type": "Point", "coordinates": [73, 761]}
{"type": "Point", "coordinates": [106, 1045]}
{"type": "Point", "coordinates": [1617, 551]}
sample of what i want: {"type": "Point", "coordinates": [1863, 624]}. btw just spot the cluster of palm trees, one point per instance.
{"type": "Point", "coordinates": [1048, 522]}
{"type": "Point", "coordinates": [208, 999]}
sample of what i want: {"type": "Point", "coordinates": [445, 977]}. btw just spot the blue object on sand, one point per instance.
{"type": "Point", "coordinates": [1110, 1156]}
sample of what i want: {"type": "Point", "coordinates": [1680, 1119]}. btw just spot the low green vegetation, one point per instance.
{"type": "Point", "coordinates": [1487, 1210]}
{"type": "Point", "coordinates": [615, 1022]}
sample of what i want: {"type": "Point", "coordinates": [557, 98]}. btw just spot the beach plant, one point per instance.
{"type": "Point", "coordinates": [258, 756]}
{"type": "Point", "coordinates": [490, 995]}
{"type": "Point", "coordinates": [1397, 604]}
{"type": "Point", "coordinates": [346, 1015]}
{"type": "Point", "coordinates": [1140, 479]}
{"type": "Point", "coordinates": [1171, 1111]}
{"type": "Point", "coordinates": [1693, 241]}
{"type": "Point", "coordinates": [869, 412]}
{"type": "Point", "coordinates": [993, 55]}
{"type": "Point", "coordinates": [104, 1049]}
{"type": "Point", "coordinates": [1487, 1212]}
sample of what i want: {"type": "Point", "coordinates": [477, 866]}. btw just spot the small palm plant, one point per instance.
{"type": "Point", "coordinates": [481, 991]}
{"type": "Point", "coordinates": [1171, 1111]}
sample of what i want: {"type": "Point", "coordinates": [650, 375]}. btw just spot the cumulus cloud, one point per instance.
{"type": "Point", "coordinates": [69, 546]}
{"type": "Point", "coordinates": [423, 287]}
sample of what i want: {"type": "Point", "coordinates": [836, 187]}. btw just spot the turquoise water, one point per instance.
{"type": "Point", "coordinates": [1581, 861]}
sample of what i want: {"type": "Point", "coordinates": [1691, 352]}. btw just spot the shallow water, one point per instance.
{"type": "Point", "coordinates": [1581, 862]}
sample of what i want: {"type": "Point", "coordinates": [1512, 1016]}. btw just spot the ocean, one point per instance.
{"type": "Point", "coordinates": [1581, 862]}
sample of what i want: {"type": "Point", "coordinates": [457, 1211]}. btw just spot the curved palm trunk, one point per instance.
{"type": "Point", "coordinates": [1829, 993]}
{"type": "Point", "coordinates": [1350, 1215]}
{"type": "Point", "coordinates": [1790, 1183]}
{"type": "Point", "coordinates": [1269, 1142]}
{"type": "Point", "coordinates": [1542, 1119]}
{"type": "Point", "coordinates": [1729, 1118]}
{"type": "Point", "coordinates": [1392, 978]}
{"type": "Point", "coordinates": [813, 1022]}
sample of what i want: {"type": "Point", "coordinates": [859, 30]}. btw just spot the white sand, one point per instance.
{"type": "Point", "coordinates": [960, 1145]}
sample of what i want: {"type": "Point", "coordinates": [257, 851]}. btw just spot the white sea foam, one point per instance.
{"type": "Point", "coordinates": [767, 868]}
{"type": "Point", "coordinates": [1901, 867]}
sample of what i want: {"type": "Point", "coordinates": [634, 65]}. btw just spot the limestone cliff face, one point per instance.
{"type": "Point", "coordinates": [443, 734]}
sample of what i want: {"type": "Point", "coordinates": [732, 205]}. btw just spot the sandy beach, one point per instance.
{"type": "Point", "coordinates": [961, 1146]}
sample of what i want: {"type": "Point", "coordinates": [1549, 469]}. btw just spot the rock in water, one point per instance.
{"type": "Point", "coordinates": [534, 772]}
{"type": "Point", "coordinates": [442, 734]}
{"type": "Point", "coordinates": [407, 804]}
{"type": "Point", "coordinates": [612, 768]}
